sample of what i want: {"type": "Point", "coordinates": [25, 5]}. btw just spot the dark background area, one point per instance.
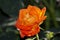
{"type": "Point", "coordinates": [9, 10]}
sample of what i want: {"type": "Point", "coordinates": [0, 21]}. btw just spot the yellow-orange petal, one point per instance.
{"type": "Point", "coordinates": [22, 13]}
{"type": "Point", "coordinates": [44, 18]}
{"type": "Point", "coordinates": [43, 11]}
{"type": "Point", "coordinates": [34, 15]}
{"type": "Point", "coordinates": [37, 10]}
{"type": "Point", "coordinates": [29, 8]}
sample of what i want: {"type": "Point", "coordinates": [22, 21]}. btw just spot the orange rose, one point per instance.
{"type": "Point", "coordinates": [29, 20]}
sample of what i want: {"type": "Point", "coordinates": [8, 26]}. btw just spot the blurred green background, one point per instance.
{"type": "Point", "coordinates": [9, 10]}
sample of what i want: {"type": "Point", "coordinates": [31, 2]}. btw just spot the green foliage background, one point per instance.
{"type": "Point", "coordinates": [9, 10]}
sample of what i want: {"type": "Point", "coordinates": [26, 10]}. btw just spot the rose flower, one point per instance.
{"type": "Point", "coordinates": [29, 20]}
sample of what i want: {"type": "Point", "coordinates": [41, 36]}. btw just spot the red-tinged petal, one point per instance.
{"type": "Point", "coordinates": [22, 26]}
{"type": "Point", "coordinates": [22, 35]}
{"type": "Point", "coordinates": [31, 32]}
